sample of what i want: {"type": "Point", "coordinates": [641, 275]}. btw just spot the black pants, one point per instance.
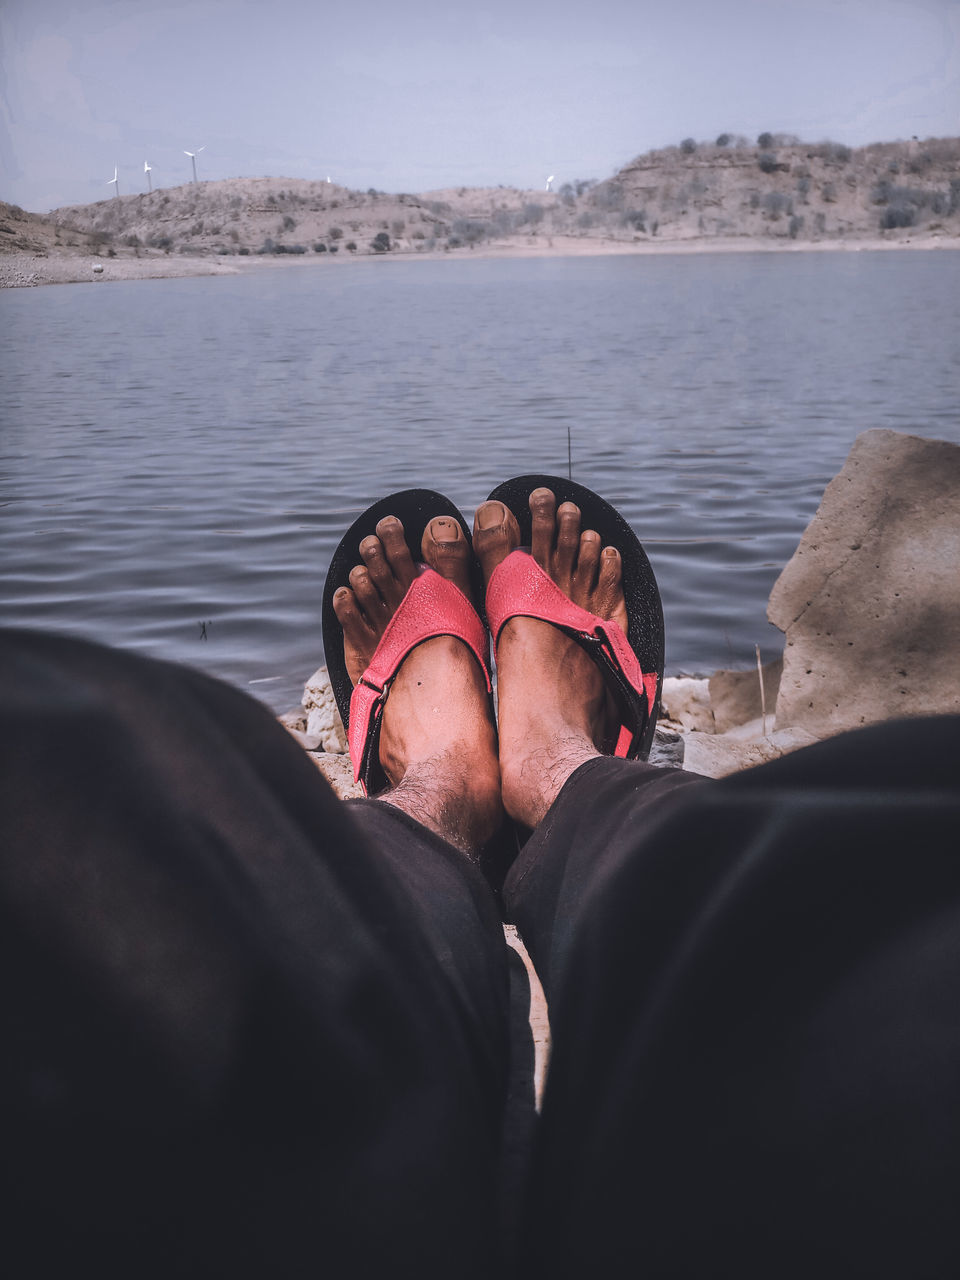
{"type": "Point", "coordinates": [250, 1030]}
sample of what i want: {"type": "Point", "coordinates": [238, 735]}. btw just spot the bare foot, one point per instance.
{"type": "Point", "coordinates": [555, 711]}
{"type": "Point", "coordinates": [438, 743]}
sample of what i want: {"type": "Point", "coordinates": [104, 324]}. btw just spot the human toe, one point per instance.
{"type": "Point", "coordinates": [445, 549]}
{"type": "Point", "coordinates": [396, 552]}
{"type": "Point", "coordinates": [543, 512]}
{"type": "Point", "coordinates": [381, 573]}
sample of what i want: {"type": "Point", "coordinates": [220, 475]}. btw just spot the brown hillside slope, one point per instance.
{"type": "Point", "coordinates": [781, 192]}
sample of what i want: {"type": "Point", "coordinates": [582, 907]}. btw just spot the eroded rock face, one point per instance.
{"type": "Point", "coordinates": [735, 695]}
{"type": "Point", "coordinates": [870, 602]}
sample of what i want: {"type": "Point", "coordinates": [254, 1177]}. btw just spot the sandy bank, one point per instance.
{"type": "Point", "coordinates": [23, 269]}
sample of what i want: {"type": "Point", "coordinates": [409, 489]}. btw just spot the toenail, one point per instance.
{"type": "Point", "coordinates": [369, 543]}
{"type": "Point", "coordinates": [490, 515]}
{"type": "Point", "coordinates": [442, 529]}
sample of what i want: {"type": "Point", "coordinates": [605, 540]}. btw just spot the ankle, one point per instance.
{"type": "Point", "coordinates": [533, 773]}
{"type": "Point", "coordinates": [455, 794]}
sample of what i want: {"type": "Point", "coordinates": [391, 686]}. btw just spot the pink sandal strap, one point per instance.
{"type": "Point", "coordinates": [432, 607]}
{"type": "Point", "coordinates": [519, 587]}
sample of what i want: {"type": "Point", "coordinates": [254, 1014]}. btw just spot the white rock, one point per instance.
{"type": "Point", "coordinates": [718, 754]}
{"type": "Point", "coordinates": [685, 700]}
{"type": "Point", "coordinates": [323, 718]}
{"type": "Point", "coordinates": [294, 720]}
{"type": "Point", "coordinates": [338, 771]}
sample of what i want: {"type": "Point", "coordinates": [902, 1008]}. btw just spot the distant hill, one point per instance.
{"type": "Point", "coordinates": [780, 189]}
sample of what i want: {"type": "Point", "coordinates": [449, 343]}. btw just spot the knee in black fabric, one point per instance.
{"type": "Point", "coordinates": [756, 1047]}
{"type": "Point", "coordinates": [229, 1049]}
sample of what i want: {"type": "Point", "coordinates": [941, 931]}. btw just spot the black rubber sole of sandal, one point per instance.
{"type": "Point", "coordinates": [644, 609]}
{"type": "Point", "coordinates": [414, 508]}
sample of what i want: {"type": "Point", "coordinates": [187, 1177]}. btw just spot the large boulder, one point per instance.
{"type": "Point", "coordinates": [870, 601]}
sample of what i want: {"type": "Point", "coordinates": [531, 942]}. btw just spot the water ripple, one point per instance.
{"type": "Point", "coordinates": [180, 457]}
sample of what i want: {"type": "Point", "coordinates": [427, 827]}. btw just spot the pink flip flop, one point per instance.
{"type": "Point", "coordinates": [432, 607]}
{"type": "Point", "coordinates": [632, 662]}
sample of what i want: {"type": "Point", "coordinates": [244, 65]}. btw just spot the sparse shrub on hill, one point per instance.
{"type": "Point", "coordinates": [398, 227]}
{"type": "Point", "coordinates": [380, 242]}
{"type": "Point", "coordinates": [532, 213]}
{"type": "Point", "coordinates": [469, 231]}
{"type": "Point", "coordinates": [335, 233]}
{"type": "Point", "coordinates": [724, 140]}
{"type": "Point", "coordinates": [904, 204]}
{"type": "Point", "coordinates": [608, 196]}
{"type": "Point", "coordinates": [833, 153]}
{"type": "Point", "coordinates": [765, 141]}
{"type": "Point", "coordinates": [776, 203]}
{"type": "Point", "coordinates": [688, 146]}
{"type": "Point", "coordinates": [898, 215]}
{"type": "Point", "coordinates": [829, 192]}
{"type": "Point", "coordinates": [796, 226]}
{"type": "Point", "coordinates": [319, 247]}
{"type": "Point", "coordinates": [351, 246]}
{"type": "Point", "coordinates": [288, 223]}
{"type": "Point", "coordinates": [334, 248]}
{"type": "Point", "coordinates": [768, 162]}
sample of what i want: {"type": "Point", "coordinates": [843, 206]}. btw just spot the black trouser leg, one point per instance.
{"type": "Point", "coordinates": [248, 1030]}
{"type": "Point", "coordinates": [755, 1002]}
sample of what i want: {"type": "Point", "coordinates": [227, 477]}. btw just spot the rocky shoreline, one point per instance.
{"type": "Point", "coordinates": [20, 269]}
{"type": "Point", "coordinates": [869, 606]}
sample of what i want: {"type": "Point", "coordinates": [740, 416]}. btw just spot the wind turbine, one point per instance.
{"type": "Point", "coordinates": [549, 186]}
{"type": "Point", "coordinates": [115, 181]}
{"type": "Point", "coordinates": [193, 158]}
{"type": "Point", "coordinates": [146, 170]}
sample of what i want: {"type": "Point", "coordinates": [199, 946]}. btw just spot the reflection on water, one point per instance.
{"type": "Point", "coordinates": [180, 457]}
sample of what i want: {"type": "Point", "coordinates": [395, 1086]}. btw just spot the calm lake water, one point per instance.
{"type": "Point", "coordinates": [180, 457]}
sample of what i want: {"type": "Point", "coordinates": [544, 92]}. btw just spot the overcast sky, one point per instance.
{"type": "Point", "coordinates": [419, 94]}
